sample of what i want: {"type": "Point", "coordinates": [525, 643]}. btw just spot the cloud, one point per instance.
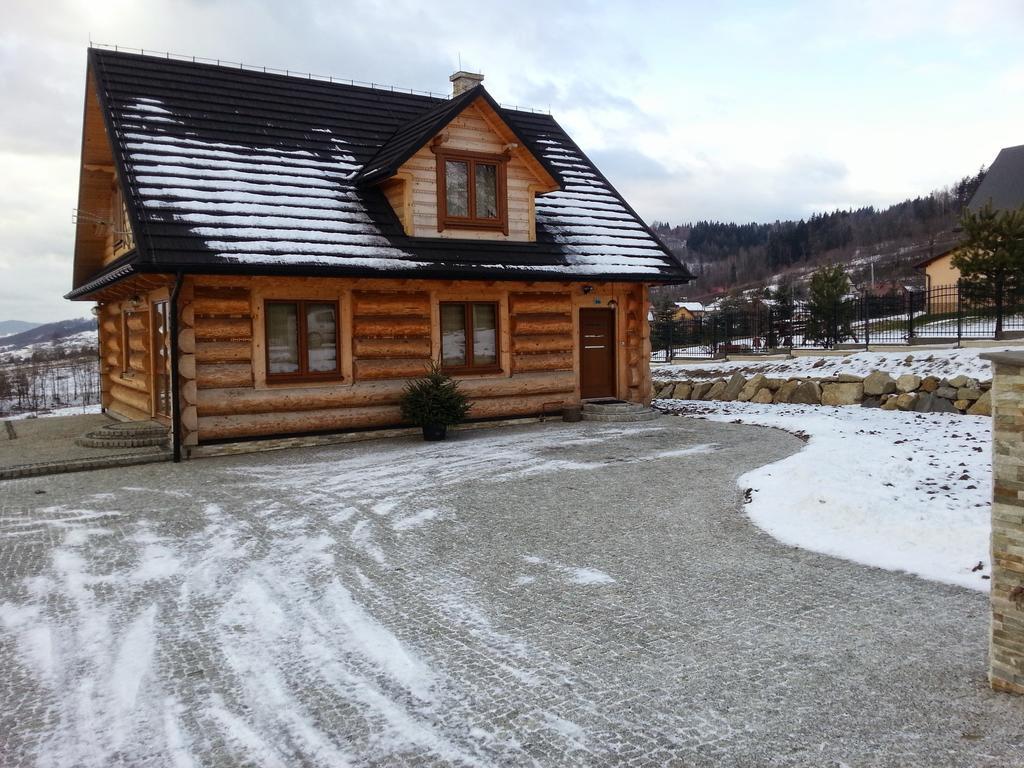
{"type": "Point", "coordinates": [36, 237]}
{"type": "Point", "coordinates": [578, 94]}
{"type": "Point", "coordinates": [629, 163]}
{"type": "Point", "coordinates": [750, 112]}
{"type": "Point", "coordinates": [745, 192]}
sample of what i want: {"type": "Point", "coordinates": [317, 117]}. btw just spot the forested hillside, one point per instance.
{"type": "Point", "coordinates": [726, 255]}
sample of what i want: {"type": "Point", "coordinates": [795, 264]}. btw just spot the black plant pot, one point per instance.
{"type": "Point", "coordinates": [435, 431]}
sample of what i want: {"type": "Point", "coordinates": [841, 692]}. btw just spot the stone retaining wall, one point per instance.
{"type": "Point", "coordinates": [928, 394]}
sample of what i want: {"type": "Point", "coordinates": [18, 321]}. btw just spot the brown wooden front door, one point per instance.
{"type": "Point", "coordinates": [597, 353]}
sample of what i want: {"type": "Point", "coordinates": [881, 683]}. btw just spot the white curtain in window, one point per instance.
{"type": "Point", "coordinates": [453, 335]}
{"type": "Point", "coordinates": [321, 338]}
{"type": "Point", "coordinates": [486, 191]}
{"type": "Point", "coordinates": [485, 341]}
{"type": "Point", "coordinates": [456, 182]}
{"type": "Point", "coordinates": [283, 338]}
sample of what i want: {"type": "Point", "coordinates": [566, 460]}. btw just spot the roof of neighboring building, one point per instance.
{"type": "Point", "coordinates": [690, 306]}
{"type": "Point", "coordinates": [234, 170]}
{"type": "Point", "coordinates": [940, 252]}
{"type": "Point", "coordinates": [1003, 184]}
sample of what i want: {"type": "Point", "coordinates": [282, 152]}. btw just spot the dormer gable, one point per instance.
{"type": "Point", "coordinates": [460, 171]}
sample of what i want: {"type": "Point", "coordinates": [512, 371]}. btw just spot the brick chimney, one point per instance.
{"type": "Point", "coordinates": [462, 81]}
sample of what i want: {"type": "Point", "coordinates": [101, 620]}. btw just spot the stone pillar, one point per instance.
{"type": "Point", "coordinates": [1006, 646]}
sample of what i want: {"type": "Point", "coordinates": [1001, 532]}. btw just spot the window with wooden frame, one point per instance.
{"type": "Point", "coordinates": [302, 339]}
{"type": "Point", "coordinates": [469, 337]}
{"type": "Point", "coordinates": [472, 192]}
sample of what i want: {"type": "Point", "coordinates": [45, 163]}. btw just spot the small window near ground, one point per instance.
{"type": "Point", "coordinates": [302, 340]}
{"type": "Point", "coordinates": [469, 337]}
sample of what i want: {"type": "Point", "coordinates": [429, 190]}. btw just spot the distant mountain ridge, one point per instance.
{"type": "Point", "coordinates": [10, 327]}
{"type": "Point", "coordinates": [47, 332]}
{"type": "Point", "coordinates": [884, 243]}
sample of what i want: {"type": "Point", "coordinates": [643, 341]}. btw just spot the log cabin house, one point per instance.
{"type": "Point", "coordinates": [277, 255]}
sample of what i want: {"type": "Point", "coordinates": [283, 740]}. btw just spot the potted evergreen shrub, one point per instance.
{"type": "Point", "coordinates": [433, 403]}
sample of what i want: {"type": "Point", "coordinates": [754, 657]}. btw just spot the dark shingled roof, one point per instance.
{"type": "Point", "coordinates": [1003, 185]}
{"type": "Point", "coordinates": [233, 170]}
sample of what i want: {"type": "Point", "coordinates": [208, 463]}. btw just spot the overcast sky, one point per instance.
{"type": "Point", "coordinates": [730, 111]}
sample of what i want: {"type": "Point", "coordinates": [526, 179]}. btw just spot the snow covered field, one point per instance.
{"type": "Point", "coordinates": [71, 410]}
{"type": "Point", "coordinates": [902, 491]}
{"type": "Point", "coordinates": [922, 361]}
{"type": "Point", "coordinates": [47, 387]}
{"type": "Point", "coordinates": [78, 341]}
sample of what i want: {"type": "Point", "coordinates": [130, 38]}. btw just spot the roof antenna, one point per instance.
{"type": "Point", "coordinates": [460, 60]}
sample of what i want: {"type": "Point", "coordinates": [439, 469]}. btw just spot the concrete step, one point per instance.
{"type": "Point", "coordinates": [617, 411]}
{"type": "Point", "coordinates": [622, 418]}
{"type": "Point", "coordinates": [128, 434]}
{"type": "Point", "coordinates": [613, 407]}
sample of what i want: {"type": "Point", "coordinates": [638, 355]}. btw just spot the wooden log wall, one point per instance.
{"type": "Point", "coordinates": [110, 350]}
{"type": "Point", "coordinates": [542, 332]}
{"type": "Point", "coordinates": [389, 341]}
{"type": "Point", "coordinates": [188, 389]}
{"type": "Point", "coordinates": [637, 348]}
{"type": "Point", "coordinates": [646, 392]}
{"type": "Point", "coordinates": [223, 337]}
{"type": "Point", "coordinates": [387, 337]}
{"type": "Point", "coordinates": [390, 334]}
{"type": "Point", "coordinates": [130, 390]}
{"type": "Point", "coordinates": [260, 412]}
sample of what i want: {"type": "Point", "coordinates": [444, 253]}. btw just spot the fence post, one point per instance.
{"type": "Point", "coordinates": [959, 315]}
{"type": "Point", "coordinates": [866, 314]}
{"type": "Point", "coordinates": [670, 351]}
{"type": "Point", "coordinates": [909, 297]}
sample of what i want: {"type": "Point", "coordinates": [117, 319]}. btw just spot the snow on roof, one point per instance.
{"type": "Point", "coordinates": [239, 167]}
{"type": "Point", "coordinates": [690, 306]}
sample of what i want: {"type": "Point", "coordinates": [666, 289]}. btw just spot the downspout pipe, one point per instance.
{"type": "Point", "coordinates": [175, 395]}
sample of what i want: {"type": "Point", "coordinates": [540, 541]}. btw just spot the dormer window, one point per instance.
{"type": "Point", "coordinates": [471, 191]}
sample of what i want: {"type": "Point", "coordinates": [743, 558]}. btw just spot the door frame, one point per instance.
{"type": "Point", "coordinates": [613, 315]}
{"type": "Point", "coordinates": [154, 356]}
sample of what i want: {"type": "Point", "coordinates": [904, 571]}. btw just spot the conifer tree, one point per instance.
{"type": "Point", "coordinates": [829, 314]}
{"type": "Point", "coordinates": [991, 257]}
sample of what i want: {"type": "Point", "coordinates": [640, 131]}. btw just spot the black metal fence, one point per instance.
{"type": "Point", "coordinates": [944, 313]}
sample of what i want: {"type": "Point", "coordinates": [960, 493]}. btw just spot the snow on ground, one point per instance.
{"type": "Point", "coordinates": [901, 491]}
{"type": "Point", "coordinates": [279, 583]}
{"type": "Point", "coordinates": [921, 361]}
{"type": "Point", "coordinates": [74, 341]}
{"type": "Point", "coordinates": [71, 410]}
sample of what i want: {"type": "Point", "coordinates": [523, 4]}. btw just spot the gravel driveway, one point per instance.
{"type": "Point", "coordinates": [556, 594]}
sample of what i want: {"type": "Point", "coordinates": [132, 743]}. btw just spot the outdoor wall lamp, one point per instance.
{"type": "Point", "coordinates": [613, 304]}
{"type": "Point", "coordinates": [587, 289]}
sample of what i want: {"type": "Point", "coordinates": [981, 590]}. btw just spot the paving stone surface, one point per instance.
{"type": "Point", "coordinates": [555, 595]}
{"type": "Point", "coordinates": [29, 445]}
